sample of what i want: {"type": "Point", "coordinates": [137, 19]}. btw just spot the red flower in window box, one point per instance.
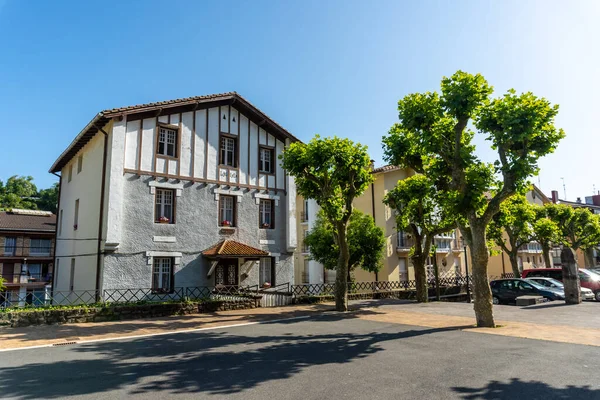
{"type": "Point", "coordinates": [226, 223]}
{"type": "Point", "coordinates": [164, 220]}
{"type": "Point", "coordinates": [266, 285]}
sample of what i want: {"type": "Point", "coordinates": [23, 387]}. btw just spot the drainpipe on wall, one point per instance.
{"type": "Point", "coordinates": [101, 215]}
{"type": "Point", "coordinates": [373, 209]}
{"type": "Point", "coordinates": [54, 268]}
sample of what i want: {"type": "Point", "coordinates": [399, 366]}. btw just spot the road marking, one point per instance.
{"type": "Point", "coordinates": [110, 339]}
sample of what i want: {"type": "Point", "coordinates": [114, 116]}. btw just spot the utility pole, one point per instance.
{"type": "Point", "coordinates": [564, 188]}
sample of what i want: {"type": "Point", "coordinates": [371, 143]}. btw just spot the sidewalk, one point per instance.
{"type": "Point", "coordinates": [515, 322]}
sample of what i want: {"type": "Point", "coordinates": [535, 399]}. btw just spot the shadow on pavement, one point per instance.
{"type": "Point", "coordinates": [518, 389]}
{"type": "Point", "coordinates": [208, 362]}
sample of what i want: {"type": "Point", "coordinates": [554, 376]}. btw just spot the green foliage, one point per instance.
{"type": "Point", "coordinates": [48, 198]}
{"type": "Point", "coordinates": [2, 282]}
{"type": "Point", "coordinates": [366, 242]}
{"type": "Point", "coordinates": [21, 192]}
{"type": "Point", "coordinates": [515, 218]}
{"type": "Point", "coordinates": [433, 138]}
{"type": "Point", "coordinates": [332, 171]}
{"type": "Point", "coordinates": [545, 230]}
{"type": "Point", "coordinates": [578, 228]}
{"type": "Point", "coordinates": [418, 205]}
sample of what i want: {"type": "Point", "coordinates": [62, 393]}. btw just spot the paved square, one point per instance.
{"type": "Point", "coordinates": [325, 355]}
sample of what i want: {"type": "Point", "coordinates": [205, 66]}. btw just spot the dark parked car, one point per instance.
{"type": "Point", "coordinates": [588, 279]}
{"type": "Point", "coordinates": [507, 290]}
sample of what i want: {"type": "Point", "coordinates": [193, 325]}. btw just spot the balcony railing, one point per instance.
{"type": "Point", "coordinates": [27, 278]}
{"type": "Point", "coordinates": [405, 241]}
{"type": "Point", "coordinates": [26, 251]}
{"type": "Point", "coordinates": [303, 216]}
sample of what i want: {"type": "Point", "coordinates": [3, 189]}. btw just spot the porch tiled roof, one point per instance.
{"type": "Point", "coordinates": [229, 247]}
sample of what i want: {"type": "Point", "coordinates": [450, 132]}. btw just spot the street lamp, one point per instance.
{"type": "Point", "coordinates": [464, 244]}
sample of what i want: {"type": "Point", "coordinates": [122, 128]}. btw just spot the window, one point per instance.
{"type": "Point", "coordinates": [76, 216]}
{"type": "Point", "coordinates": [79, 163]}
{"type": "Point", "coordinates": [72, 275]}
{"type": "Point", "coordinates": [265, 273]}
{"type": "Point", "coordinates": [70, 172]}
{"type": "Point", "coordinates": [164, 210]}
{"type": "Point", "coordinates": [306, 271]}
{"type": "Point", "coordinates": [226, 211]}
{"type": "Point", "coordinates": [40, 247]}
{"type": "Point", "coordinates": [60, 219]}
{"type": "Point", "coordinates": [228, 153]}
{"type": "Point", "coordinates": [162, 275]}
{"type": "Point", "coordinates": [266, 214]}
{"type": "Point", "coordinates": [266, 160]}
{"type": "Point", "coordinates": [167, 141]}
{"type": "Point", "coordinates": [34, 271]}
{"type": "Point", "coordinates": [10, 246]}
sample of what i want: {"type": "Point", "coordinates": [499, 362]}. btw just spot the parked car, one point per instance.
{"type": "Point", "coordinates": [586, 294]}
{"type": "Point", "coordinates": [588, 278]}
{"type": "Point", "coordinates": [507, 290]}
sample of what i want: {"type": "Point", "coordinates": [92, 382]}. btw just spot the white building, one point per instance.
{"type": "Point", "coordinates": [174, 194]}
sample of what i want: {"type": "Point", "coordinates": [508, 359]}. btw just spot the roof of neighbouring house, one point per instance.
{"type": "Point", "coordinates": [385, 168]}
{"type": "Point", "coordinates": [168, 107]}
{"type": "Point", "coordinates": [27, 220]}
{"type": "Point", "coordinates": [229, 247]}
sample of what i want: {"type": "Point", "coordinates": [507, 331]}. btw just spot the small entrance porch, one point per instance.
{"type": "Point", "coordinates": [232, 263]}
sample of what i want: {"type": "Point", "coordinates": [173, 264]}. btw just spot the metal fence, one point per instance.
{"type": "Point", "coordinates": [450, 284]}
{"type": "Point", "coordinates": [45, 297]}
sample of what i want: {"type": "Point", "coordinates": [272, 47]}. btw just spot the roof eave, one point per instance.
{"type": "Point", "coordinates": [92, 123]}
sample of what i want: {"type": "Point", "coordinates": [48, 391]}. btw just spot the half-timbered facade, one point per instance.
{"type": "Point", "coordinates": [146, 190]}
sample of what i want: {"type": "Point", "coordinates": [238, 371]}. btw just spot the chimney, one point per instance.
{"type": "Point", "coordinates": [596, 200]}
{"type": "Point", "coordinates": [578, 200]}
{"type": "Point", "coordinates": [555, 196]}
{"type": "Point", "coordinates": [372, 164]}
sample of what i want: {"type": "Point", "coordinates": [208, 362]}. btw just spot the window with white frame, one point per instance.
{"type": "Point", "coordinates": [162, 275]}
{"type": "Point", "coordinates": [226, 210]}
{"type": "Point", "coordinates": [266, 214]}
{"type": "Point", "coordinates": [266, 159]}
{"type": "Point", "coordinates": [228, 153]}
{"type": "Point", "coordinates": [10, 246]}
{"type": "Point", "coordinates": [164, 206]}
{"type": "Point", "coordinates": [79, 163]}
{"type": "Point", "coordinates": [265, 273]}
{"type": "Point", "coordinates": [40, 247]}
{"type": "Point", "coordinates": [70, 177]}
{"type": "Point", "coordinates": [167, 141]}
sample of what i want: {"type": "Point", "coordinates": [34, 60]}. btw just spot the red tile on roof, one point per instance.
{"type": "Point", "coordinates": [229, 247]}
{"type": "Point", "coordinates": [17, 222]}
{"type": "Point", "coordinates": [385, 168]}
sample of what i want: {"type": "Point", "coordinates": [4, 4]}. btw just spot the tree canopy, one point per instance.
{"type": "Point", "coordinates": [434, 137]}
{"type": "Point", "coordinates": [366, 243]}
{"type": "Point", "coordinates": [333, 172]}
{"type": "Point", "coordinates": [512, 227]}
{"type": "Point", "coordinates": [419, 209]}
{"type": "Point", "coordinates": [21, 192]}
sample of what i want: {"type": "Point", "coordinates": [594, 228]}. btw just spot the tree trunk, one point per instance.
{"type": "Point", "coordinates": [420, 278]}
{"type": "Point", "coordinates": [481, 287]}
{"type": "Point", "coordinates": [570, 276]}
{"type": "Point", "coordinates": [514, 263]}
{"type": "Point", "coordinates": [341, 285]}
{"type": "Point", "coordinates": [546, 252]}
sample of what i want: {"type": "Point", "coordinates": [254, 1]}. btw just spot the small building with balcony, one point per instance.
{"type": "Point", "coordinates": [26, 255]}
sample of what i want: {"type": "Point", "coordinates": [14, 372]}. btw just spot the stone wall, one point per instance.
{"type": "Point", "coordinates": [119, 312]}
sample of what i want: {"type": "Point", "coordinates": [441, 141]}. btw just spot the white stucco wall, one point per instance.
{"type": "Point", "coordinates": [81, 243]}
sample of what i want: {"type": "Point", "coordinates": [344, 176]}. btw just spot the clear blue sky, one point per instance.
{"type": "Point", "coordinates": [327, 67]}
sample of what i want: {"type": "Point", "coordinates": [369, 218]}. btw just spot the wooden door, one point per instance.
{"type": "Point", "coordinates": [227, 273]}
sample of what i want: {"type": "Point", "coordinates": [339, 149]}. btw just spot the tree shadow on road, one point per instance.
{"type": "Point", "coordinates": [208, 362]}
{"type": "Point", "coordinates": [518, 389]}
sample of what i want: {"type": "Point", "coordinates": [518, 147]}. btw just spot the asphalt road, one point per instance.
{"type": "Point", "coordinates": [325, 356]}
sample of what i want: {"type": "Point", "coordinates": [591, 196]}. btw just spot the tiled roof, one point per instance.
{"type": "Point", "coordinates": [385, 168]}
{"type": "Point", "coordinates": [18, 222]}
{"type": "Point", "coordinates": [183, 104]}
{"type": "Point", "coordinates": [229, 247]}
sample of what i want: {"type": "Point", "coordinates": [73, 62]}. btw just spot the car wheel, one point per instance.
{"type": "Point", "coordinates": [597, 295]}
{"type": "Point", "coordinates": [495, 300]}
